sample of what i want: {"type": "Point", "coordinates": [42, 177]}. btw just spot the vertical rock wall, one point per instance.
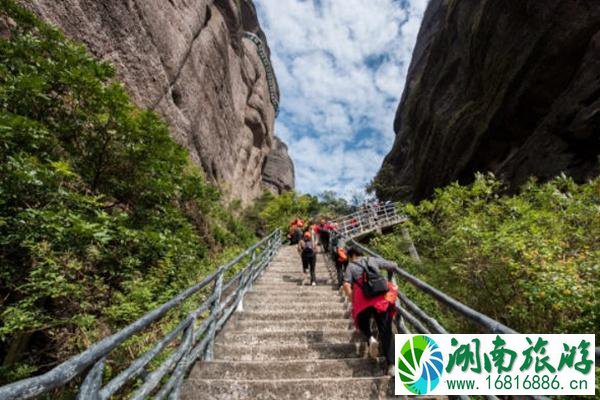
{"type": "Point", "coordinates": [189, 61]}
{"type": "Point", "coordinates": [511, 87]}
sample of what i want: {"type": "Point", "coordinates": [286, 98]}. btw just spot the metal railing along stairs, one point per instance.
{"type": "Point", "coordinates": [192, 339]}
{"type": "Point", "coordinates": [369, 218]}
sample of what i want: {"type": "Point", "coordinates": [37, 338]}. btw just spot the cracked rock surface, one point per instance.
{"type": "Point", "coordinates": [189, 62]}
{"type": "Point", "coordinates": [511, 87]}
{"type": "Point", "coordinates": [278, 169]}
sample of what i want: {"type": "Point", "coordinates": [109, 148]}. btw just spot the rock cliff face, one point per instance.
{"type": "Point", "coordinates": [511, 87]}
{"type": "Point", "coordinates": [196, 65]}
{"type": "Point", "coordinates": [278, 169]}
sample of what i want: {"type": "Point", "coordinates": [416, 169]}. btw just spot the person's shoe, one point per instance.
{"type": "Point", "coordinates": [373, 348]}
{"type": "Point", "coordinates": [304, 279]}
{"type": "Point", "coordinates": [314, 283]}
{"type": "Point", "coordinates": [391, 371]}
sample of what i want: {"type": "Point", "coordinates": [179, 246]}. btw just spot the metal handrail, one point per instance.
{"type": "Point", "coordinates": [481, 319]}
{"type": "Point", "coordinates": [196, 342]}
{"type": "Point", "coordinates": [270, 74]}
{"type": "Point", "coordinates": [369, 218]}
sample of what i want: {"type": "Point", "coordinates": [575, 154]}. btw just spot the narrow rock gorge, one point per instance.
{"type": "Point", "coordinates": [203, 66]}
{"type": "Point", "coordinates": [511, 87]}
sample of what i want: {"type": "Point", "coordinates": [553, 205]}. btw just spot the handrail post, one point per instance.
{"type": "Point", "coordinates": [214, 309]}
{"type": "Point", "coordinates": [246, 282]}
{"type": "Point", "coordinates": [90, 389]}
{"type": "Point", "coordinates": [412, 250]}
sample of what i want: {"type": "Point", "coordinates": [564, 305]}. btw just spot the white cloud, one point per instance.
{"type": "Point", "coordinates": [341, 66]}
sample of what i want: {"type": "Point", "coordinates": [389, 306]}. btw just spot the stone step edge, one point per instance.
{"type": "Point", "coordinates": [292, 321]}
{"type": "Point", "coordinates": [296, 361]}
{"type": "Point", "coordinates": [296, 332]}
{"type": "Point", "coordinates": [305, 346]}
{"type": "Point", "coordinates": [316, 380]}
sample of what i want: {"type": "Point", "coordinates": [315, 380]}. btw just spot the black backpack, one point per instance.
{"type": "Point", "coordinates": [308, 248]}
{"type": "Point", "coordinates": [373, 283]}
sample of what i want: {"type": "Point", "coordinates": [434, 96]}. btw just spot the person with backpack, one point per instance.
{"type": "Point", "coordinates": [295, 231]}
{"type": "Point", "coordinates": [325, 231]}
{"type": "Point", "coordinates": [372, 296]}
{"type": "Point", "coordinates": [306, 248]}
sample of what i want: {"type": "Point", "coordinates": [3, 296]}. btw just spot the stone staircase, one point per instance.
{"type": "Point", "coordinates": [290, 342]}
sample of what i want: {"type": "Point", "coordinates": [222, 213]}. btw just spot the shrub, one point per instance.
{"type": "Point", "coordinates": [530, 260]}
{"type": "Point", "coordinates": [102, 216]}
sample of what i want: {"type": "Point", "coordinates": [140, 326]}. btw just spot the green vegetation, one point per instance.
{"type": "Point", "coordinates": [530, 260]}
{"type": "Point", "coordinates": [270, 212]}
{"type": "Point", "coordinates": [102, 216]}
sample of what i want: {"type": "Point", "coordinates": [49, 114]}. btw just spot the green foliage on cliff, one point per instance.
{"type": "Point", "coordinates": [102, 216]}
{"type": "Point", "coordinates": [531, 260]}
{"type": "Point", "coordinates": [270, 212]}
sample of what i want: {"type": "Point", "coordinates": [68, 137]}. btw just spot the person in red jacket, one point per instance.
{"type": "Point", "coordinates": [295, 231]}
{"type": "Point", "coordinates": [380, 308]}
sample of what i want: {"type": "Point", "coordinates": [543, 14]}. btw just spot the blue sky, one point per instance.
{"type": "Point", "coordinates": [341, 67]}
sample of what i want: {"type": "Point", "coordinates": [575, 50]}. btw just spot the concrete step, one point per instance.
{"type": "Point", "coordinates": [291, 306]}
{"type": "Point", "coordinates": [321, 280]}
{"type": "Point", "coordinates": [252, 338]}
{"type": "Point", "coordinates": [292, 287]}
{"type": "Point", "coordinates": [292, 389]}
{"type": "Point", "coordinates": [291, 297]}
{"type": "Point", "coordinates": [295, 264]}
{"type": "Point", "coordinates": [325, 290]}
{"type": "Point", "coordinates": [298, 369]}
{"type": "Point", "coordinates": [303, 351]}
{"type": "Point", "coordinates": [307, 315]}
{"type": "Point", "coordinates": [287, 279]}
{"type": "Point", "coordinates": [269, 326]}
{"type": "Point", "coordinates": [293, 274]}
{"type": "Point", "coordinates": [296, 271]}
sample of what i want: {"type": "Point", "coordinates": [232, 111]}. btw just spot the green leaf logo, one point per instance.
{"type": "Point", "coordinates": [420, 364]}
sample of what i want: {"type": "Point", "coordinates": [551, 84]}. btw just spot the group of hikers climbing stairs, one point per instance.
{"type": "Point", "coordinates": [290, 342]}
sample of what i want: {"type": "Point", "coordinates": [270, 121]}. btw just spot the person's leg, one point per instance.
{"type": "Point", "coordinates": [364, 324]}
{"type": "Point", "coordinates": [304, 263]}
{"type": "Point", "coordinates": [340, 274]}
{"type": "Point", "coordinates": [363, 320]}
{"type": "Point", "coordinates": [386, 336]}
{"type": "Point", "coordinates": [325, 241]}
{"type": "Point", "coordinates": [313, 262]}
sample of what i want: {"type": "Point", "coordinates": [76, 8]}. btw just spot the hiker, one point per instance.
{"type": "Point", "coordinates": [306, 248]}
{"type": "Point", "coordinates": [341, 262]}
{"type": "Point", "coordinates": [295, 231]}
{"type": "Point", "coordinates": [324, 230]}
{"type": "Point", "coordinates": [353, 225]}
{"type": "Point", "coordinates": [372, 296]}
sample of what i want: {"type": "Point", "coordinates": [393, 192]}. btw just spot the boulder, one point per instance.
{"type": "Point", "coordinates": [278, 169]}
